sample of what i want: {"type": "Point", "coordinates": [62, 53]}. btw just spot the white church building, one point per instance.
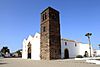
{"type": "Point", "coordinates": [69, 48]}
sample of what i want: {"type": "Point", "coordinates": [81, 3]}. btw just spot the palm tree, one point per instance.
{"type": "Point", "coordinates": [99, 46]}
{"type": "Point", "coordinates": [88, 35]}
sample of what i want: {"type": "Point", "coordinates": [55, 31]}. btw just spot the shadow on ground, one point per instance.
{"type": "Point", "coordinates": [2, 63]}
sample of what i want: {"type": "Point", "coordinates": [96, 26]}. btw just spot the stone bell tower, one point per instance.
{"type": "Point", "coordinates": [50, 47]}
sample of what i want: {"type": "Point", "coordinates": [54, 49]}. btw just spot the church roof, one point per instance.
{"type": "Point", "coordinates": [49, 8]}
{"type": "Point", "coordinates": [68, 40]}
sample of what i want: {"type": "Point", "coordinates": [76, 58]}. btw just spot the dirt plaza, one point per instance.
{"type": "Point", "coordinates": [18, 62]}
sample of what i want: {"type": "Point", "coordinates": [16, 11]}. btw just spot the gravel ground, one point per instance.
{"type": "Point", "coordinates": [18, 62]}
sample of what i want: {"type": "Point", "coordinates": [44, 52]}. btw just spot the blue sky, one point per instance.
{"type": "Point", "coordinates": [20, 18]}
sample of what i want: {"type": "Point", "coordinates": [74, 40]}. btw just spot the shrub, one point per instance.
{"type": "Point", "coordinates": [79, 56]}
{"type": "Point", "coordinates": [98, 56]}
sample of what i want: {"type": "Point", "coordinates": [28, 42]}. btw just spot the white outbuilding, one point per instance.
{"type": "Point", "coordinates": [71, 49]}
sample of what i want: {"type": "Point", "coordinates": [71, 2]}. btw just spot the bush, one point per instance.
{"type": "Point", "coordinates": [79, 56]}
{"type": "Point", "coordinates": [98, 56]}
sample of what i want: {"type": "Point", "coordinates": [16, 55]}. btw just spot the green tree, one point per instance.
{"type": "Point", "coordinates": [5, 50]}
{"type": "Point", "coordinates": [19, 53]}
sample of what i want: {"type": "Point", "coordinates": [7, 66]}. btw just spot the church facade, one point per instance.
{"type": "Point", "coordinates": [69, 48]}
{"type": "Point", "coordinates": [48, 44]}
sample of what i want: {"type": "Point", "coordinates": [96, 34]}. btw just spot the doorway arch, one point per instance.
{"type": "Point", "coordinates": [66, 54]}
{"type": "Point", "coordinates": [29, 51]}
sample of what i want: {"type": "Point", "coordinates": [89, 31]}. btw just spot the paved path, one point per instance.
{"type": "Point", "coordinates": [11, 62]}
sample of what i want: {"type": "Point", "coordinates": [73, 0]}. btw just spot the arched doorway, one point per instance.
{"type": "Point", "coordinates": [29, 50]}
{"type": "Point", "coordinates": [66, 54]}
{"type": "Point", "coordinates": [86, 54]}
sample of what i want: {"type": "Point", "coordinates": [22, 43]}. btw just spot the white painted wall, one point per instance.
{"type": "Point", "coordinates": [79, 49]}
{"type": "Point", "coordinates": [24, 51]}
{"type": "Point", "coordinates": [97, 52]}
{"type": "Point", "coordinates": [70, 46]}
{"type": "Point", "coordinates": [35, 47]}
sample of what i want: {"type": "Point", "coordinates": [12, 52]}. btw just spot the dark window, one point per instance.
{"type": "Point", "coordinates": [44, 29]}
{"type": "Point", "coordinates": [53, 39]}
{"type": "Point", "coordinates": [65, 43]}
{"type": "Point", "coordinates": [44, 16]}
{"type": "Point", "coordinates": [55, 51]}
{"type": "Point", "coordinates": [54, 17]}
{"type": "Point", "coordinates": [75, 44]}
